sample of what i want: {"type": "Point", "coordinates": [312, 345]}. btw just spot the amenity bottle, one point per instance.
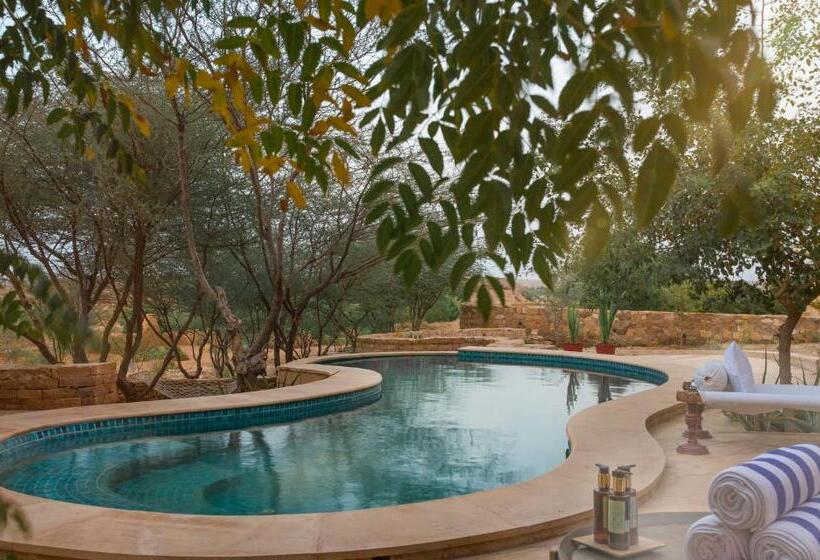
{"type": "Point", "coordinates": [600, 499]}
{"type": "Point", "coordinates": [632, 504]}
{"type": "Point", "coordinates": [618, 513]}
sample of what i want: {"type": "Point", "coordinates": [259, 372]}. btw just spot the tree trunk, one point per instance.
{"type": "Point", "coordinates": [784, 346]}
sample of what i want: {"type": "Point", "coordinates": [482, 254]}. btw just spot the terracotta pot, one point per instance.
{"type": "Point", "coordinates": [574, 346]}
{"type": "Point", "coordinates": [605, 348]}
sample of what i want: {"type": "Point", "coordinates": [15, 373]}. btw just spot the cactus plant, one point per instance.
{"type": "Point", "coordinates": [606, 318]}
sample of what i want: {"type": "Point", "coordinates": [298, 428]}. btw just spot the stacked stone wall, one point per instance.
{"type": "Point", "coordinates": [643, 328]}
{"type": "Point", "coordinates": [431, 340]}
{"type": "Point", "coordinates": [57, 386]}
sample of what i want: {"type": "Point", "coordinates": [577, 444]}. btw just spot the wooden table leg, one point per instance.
{"type": "Point", "coordinates": [693, 418]}
{"type": "Point", "coordinates": [699, 432]}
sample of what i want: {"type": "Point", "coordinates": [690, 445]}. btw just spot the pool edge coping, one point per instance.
{"type": "Point", "coordinates": [466, 522]}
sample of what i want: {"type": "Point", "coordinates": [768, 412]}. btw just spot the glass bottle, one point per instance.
{"type": "Point", "coordinates": [600, 499]}
{"type": "Point", "coordinates": [618, 512]}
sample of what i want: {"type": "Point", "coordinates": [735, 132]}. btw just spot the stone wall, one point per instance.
{"type": "Point", "coordinates": [57, 386]}
{"type": "Point", "coordinates": [432, 340]}
{"type": "Point", "coordinates": [644, 328]}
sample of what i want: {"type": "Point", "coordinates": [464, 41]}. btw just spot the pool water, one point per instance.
{"type": "Point", "coordinates": [442, 428]}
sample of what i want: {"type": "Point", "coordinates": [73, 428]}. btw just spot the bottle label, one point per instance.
{"type": "Point", "coordinates": [616, 518]}
{"type": "Point", "coordinates": [633, 513]}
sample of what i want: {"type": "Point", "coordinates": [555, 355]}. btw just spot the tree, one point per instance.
{"type": "Point", "coordinates": [481, 76]}
{"type": "Point", "coordinates": [773, 179]}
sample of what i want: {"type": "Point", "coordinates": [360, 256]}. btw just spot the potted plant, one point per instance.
{"type": "Point", "coordinates": [606, 318]}
{"type": "Point", "coordinates": [574, 328]}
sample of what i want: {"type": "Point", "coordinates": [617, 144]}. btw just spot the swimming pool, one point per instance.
{"type": "Point", "coordinates": [442, 427]}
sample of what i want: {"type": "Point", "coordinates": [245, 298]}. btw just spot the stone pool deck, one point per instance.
{"type": "Point", "coordinates": [643, 428]}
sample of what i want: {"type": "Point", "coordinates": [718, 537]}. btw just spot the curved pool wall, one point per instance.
{"type": "Point", "coordinates": [60, 438]}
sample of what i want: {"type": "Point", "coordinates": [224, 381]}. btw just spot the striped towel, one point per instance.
{"type": "Point", "coordinates": [754, 494]}
{"type": "Point", "coordinates": [795, 536]}
{"type": "Point", "coordinates": [709, 539]}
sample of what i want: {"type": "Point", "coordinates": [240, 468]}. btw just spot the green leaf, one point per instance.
{"type": "Point", "coordinates": [676, 128]}
{"type": "Point", "coordinates": [655, 179]}
{"type": "Point", "coordinates": [310, 61]}
{"type": "Point", "coordinates": [376, 191]}
{"type": "Point", "coordinates": [541, 265]}
{"type": "Point", "coordinates": [498, 289]}
{"type": "Point", "coordinates": [240, 22]}
{"type": "Point", "coordinates": [56, 115]}
{"type": "Point", "coordinates": [575, 167]}
{"type": "Point", "coordinates": [470, 286]}
{"type": "Point", "coordinates": [295, 99]}
{"type": "Point", "coordinates": [231, 42]}
{"type": "Point", "coordinates": [766, 99]}
{"type": "Point", "coordinates": [405, 24]}
{"type": "Point", "coordinates": [596, 234]}
{"type": "Point", "coordinates": [462, 264]}
{"type": "Point", "coordinates": [422, 179]}
{"type": "Point", "coordinates": [409, 264]}
{"type": "Point", "coordinates": [377, 138]}
{"type": "Point", "coordinates": [384, 233]}
{"type": "Point", "coordinates": [740, 108]}
{"type": "Point", "coordinates": [383, 166]}
{"type": "Point", "coordinates": [431, 150]}
{"type": "Point", "coordinates": [645, 133]}
{"type": "Point", "coordinates": [485, 304]}
{"type": "Point", "coordinates": [578, 88]}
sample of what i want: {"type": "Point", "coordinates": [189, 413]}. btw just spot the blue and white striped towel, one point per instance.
{"type": "Point", "coordinates": [709, 539]}
{"type": "Point", "coordinates": [754, 494]}
{"type": "Point", "coordinates": [795, 536]}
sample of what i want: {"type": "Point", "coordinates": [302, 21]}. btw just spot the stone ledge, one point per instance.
{"type": "Point", "coordinates": [57, 386]}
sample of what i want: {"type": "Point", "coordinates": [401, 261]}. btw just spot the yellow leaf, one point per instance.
{"type": "Point", "coordinates": [340, 124]}
{"type": "Point", "coordinates": [271, 164]}
{"type": "Point", "coordinates": [128, 102]}
{"type": "Point", "coordinates": [340, 169]}
{"type": "Point", "coordinates": [243, 158]}
{"type": "Point", "coordinates": [71, 21]}
{"type": "Point", "coordinates": [172, 85]}
{"type": "Point", "coordinates": [347, 109]}
{"type": "Point", "coordinates": [318, 23]}
{"type": "Point", "coordinates": [300, 4]}
{"type": "Point", "coordinates": [91, 97]}
{"type": "Point", "coordinates": [384, 9]}
{"type": "Point", "coordinates": [319, 128]}
{"type": "Point", "coordinates": [219, 105]}
{"type": "Point", "coordinates": [356, 95]}
{"type": "Point", "coordinates": [181, 68]}
{"type": "Point", "coordinates": [207, 81]}
{"type": "Point", "coordinates": [244, 137]}
{"type": "Point", "coordinates": [348, 36]}
{"type": "Point", "coordinates": [296, 194]}
{"type": "Point", "coordinates": [89, 153]}
{"type": "Point", "coordinates": [143, 125]}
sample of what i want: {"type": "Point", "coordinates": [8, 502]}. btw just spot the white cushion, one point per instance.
{"type": "Point", "coordinates": [711, 376]}
{"type": "Point", "coordinates": [739, 370]}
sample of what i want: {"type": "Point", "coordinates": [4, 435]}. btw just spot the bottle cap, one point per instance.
{"type": "Point", "coordinates": [603, 476]}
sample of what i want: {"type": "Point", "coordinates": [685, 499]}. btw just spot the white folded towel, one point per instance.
{"type": "Point", "coordinates": [795, 536]}
{"type": "Point", "coordinates": [754, 494]}
{"type": "Point", "coordinates": [709, 539]}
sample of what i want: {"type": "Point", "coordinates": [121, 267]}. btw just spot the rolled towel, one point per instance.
{"type": "Point", "coordinates": [795, 536]}
{"type": "Point", "coordinates": [754, 494]}
{"type": "Point", "coordinates": [709, 539]}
